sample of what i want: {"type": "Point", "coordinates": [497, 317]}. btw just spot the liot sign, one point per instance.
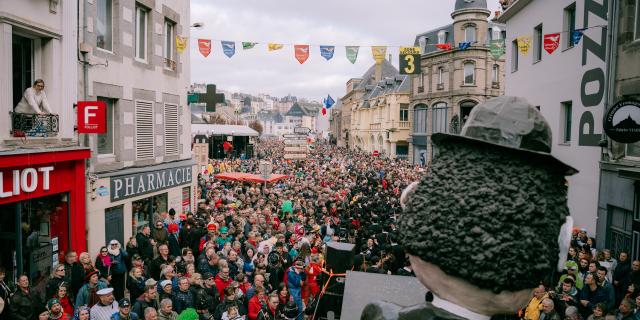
{"type": "Point", "coordinates": [25, 180]}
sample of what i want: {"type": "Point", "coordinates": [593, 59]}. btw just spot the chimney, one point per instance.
{"type": "Point", "coordinates": [378, 75]}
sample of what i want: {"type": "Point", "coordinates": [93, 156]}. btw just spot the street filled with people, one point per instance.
{"type": "Point", "coordinates": [250, 251]}
{"type": "Point", "coordinates": [257, 251]}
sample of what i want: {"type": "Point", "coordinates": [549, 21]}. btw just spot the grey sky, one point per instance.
{"type": "Point", "coordinates": [313, 22]}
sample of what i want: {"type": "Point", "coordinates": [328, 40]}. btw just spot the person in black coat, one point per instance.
{"type": "Point", "coordinates": [74, 273]}
{"type": "Point", "coordinates": [174, 242]}
{"type": "Point", "coordinates": [145, 243]}
{"type": "Point", "coordinates": [621, 275]}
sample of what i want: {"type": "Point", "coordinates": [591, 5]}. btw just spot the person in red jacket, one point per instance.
{"type": "Point", "coordinates": [256, 302]}
{"type": "Point", "coordinates": [314, 270]}
{"type": "Point", "coordinates": [222, 281]}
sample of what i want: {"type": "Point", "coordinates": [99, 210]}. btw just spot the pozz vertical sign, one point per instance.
{"type": "Point", "coordinates": [92, 117]}
{"type": "Point", "coordinates": [593, 84]}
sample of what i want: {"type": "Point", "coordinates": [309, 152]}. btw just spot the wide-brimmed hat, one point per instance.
{"type": "Point", "coordinates": [511, 124]}
{"type": "Point", "coordinates": [88, 276]}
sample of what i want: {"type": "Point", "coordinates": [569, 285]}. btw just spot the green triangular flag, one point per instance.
{"type": "Point", "coordinates": [497, 48]}
{"type": "Point", "coordinates": [352, 53]}
{"type": "Point", "coordinates": [248, 45]}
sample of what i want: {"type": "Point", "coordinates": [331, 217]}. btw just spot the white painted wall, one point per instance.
{"type": "Point", "coordinates": [54, 60]}
{"type": "Point", "coordinates": [557, 78]}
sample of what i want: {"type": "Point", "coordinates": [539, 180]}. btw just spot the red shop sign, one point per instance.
{"type": "Point", "coordinates": [92, 117]}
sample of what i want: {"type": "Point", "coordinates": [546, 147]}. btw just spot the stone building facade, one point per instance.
{"type": "Point", "coordinates": [453, 81]}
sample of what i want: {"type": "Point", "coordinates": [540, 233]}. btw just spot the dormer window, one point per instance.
{"type": "Point", "coordinates": [442, 36]}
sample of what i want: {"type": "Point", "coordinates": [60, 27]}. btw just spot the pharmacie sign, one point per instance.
{"type": "Point", "coordinates": [123, 187]}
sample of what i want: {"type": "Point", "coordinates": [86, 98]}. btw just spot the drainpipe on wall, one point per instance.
{"type": "Point", "coordinates": [611, 68]}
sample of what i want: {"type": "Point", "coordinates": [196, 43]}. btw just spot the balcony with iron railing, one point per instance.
{"type": "Point", "coordinates": [34, 125]}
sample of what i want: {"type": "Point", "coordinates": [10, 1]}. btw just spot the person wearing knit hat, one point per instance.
{"type": "Point", "coordinates": [87, 295]}
{"type": "Point", "coordinates": [497, 183]}
{"type": "Point", "coordinates": [55, 310]}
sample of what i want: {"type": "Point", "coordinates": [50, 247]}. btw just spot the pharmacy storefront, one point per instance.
{"type": "Point", "coordinates": [124, 202]}
{"type": "Point", "coordinates": [42, 210]}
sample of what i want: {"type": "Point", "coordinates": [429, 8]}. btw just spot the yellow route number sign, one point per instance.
{"type": "Point", "coordinates": [410, 60]}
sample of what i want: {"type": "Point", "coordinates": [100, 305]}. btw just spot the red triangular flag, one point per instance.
{"type": "Point", "coordinates": [204, 45]}
{"type": "Point", "coordinates": [324, 111]}
{"type": "Point", "coordinates": [302, 52]}
{"type": "Point", "coordinates": [551, 42]}
{"type": "Point", "coordinates": [444, 46]}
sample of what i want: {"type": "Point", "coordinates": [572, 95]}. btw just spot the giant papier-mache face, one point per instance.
{"type": "Point", "coordinates": [490, 211]}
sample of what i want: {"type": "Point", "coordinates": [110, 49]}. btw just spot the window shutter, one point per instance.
{"type": "Point", "coordinates": [144, 129]}
{"type": "Point", "coordinates": [171, 129]}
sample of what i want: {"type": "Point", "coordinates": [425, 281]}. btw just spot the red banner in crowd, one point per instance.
{"type": "Point", "coordinates": [302, 52]}
{"type": "Point", "coordinates": [204, 45]}
{"type": "Point", "coordinates": [551, 42]}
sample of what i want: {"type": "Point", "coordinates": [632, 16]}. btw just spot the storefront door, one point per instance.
{"type": "Point", "coordinates": [114, 224]}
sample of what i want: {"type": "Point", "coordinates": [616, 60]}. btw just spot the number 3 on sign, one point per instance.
{"type": "Point", "coordinates": [411, 64]}
{"type": "Point", "coordinates": [410, 60]}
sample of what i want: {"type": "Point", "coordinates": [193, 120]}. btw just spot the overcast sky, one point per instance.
{"type": "Point", "coordinates": [314, 22]}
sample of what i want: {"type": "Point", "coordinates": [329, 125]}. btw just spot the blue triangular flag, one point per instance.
{"type": "Point", "coordinates": [576, 35]}
{"type": "Point", "coordinates": [464, 45]}
{"type": "Point", "coordinates": [229, 48]}
{"type": "Point", "coordinates": [328, 102]}
{"type": "Point", "coordinates": [327, 51]}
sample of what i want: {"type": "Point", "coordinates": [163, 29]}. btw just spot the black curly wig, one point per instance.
{"type": "Point", "coordinates": [486, 215]}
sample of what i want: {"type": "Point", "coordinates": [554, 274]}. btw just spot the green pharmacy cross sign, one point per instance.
{"type": "Point", "coordinates": [211, 97]}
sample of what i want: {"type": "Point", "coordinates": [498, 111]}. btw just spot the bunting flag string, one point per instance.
{"type": "Point", "coordinates": [229, 48]}
{"type": "Point", "coordinates": [524, 43]}
{"type": "Point", "coordinates": [301, 52]}
{"type": "Point", "coordinates": [551, 42]}
{"type": "Point", "coordinates": [496, 47]}
{"type": "Point", "coordinates": [248, 45]}
{"type": "Point", "coordinates": [204, 45]}
{"type": "Point", "coordinates": [181, 44]}
{"type": "Point", "coordinates": [352, 53]}
{"type": "Point", "coordinates": [327, 52]}
{"type": "Point", "coordinates": [576, 35]}
{"type": "Point", "coordinates": [379, 53]}
{"type": "Point", "coordinates": [275, 46]}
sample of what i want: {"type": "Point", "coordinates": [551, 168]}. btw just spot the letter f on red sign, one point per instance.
{"type": "Point", "coordinates": [92, 117]}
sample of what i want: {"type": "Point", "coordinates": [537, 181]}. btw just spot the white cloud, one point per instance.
{"type": "Point", "coordinates": [327, 22]}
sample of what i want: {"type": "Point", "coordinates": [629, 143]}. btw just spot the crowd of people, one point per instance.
{"type": "Point", "coordinates": [594, 285]}
{"type": "Point", "coordinates": [249, 251]}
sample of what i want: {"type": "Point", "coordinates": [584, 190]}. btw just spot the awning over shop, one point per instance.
{"type": "Point", "coordinates": [223, 130]}
{"type": "Point", "coordinates": [249, 177]}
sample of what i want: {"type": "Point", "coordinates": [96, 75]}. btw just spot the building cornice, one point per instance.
{"type": "Point", "coordinates": [513, 9]}
{"type": "Point", "coordinates": [29, 25]}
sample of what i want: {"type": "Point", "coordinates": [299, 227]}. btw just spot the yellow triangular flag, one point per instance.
{"type": "Point", "coordinates": [181, 44]}
{"type": "Point", "coordinates": [524, 43]}
{"type": "Point", "coordinates": [379, 53]}
{"type": "Point", "coordinates": [275, 46]}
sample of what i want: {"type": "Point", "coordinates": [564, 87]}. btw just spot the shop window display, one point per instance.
{"type": "Point", "coordinates": [43, 225]}
{"type": "Point", "coordinates": [148, 210]}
